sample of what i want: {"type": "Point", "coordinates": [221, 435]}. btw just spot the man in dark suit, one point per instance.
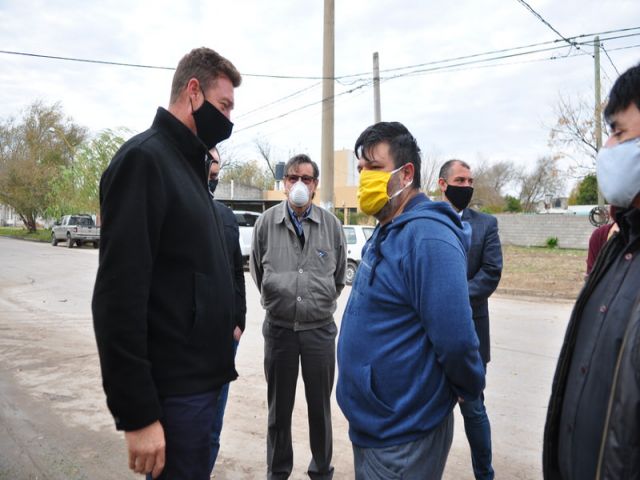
{"type": "Point", "coordinates": [234, 255]}
{"type": "Point", "coordinates": [483, 273]}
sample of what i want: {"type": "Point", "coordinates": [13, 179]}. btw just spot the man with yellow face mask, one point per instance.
{"type": "Point", "coordinates": [407, 348]}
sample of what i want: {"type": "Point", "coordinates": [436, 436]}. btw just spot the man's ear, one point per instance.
{"type": "Point", "coordinates": [442, 184]}
{"type": "Point", "coordinates": [193, 88]}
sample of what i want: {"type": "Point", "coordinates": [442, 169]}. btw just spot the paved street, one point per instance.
{"type": "Point", "coordinates": [54, 423]}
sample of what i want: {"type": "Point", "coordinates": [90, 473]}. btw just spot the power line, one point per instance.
{"type": "Point", "coordinates": [282, 99]}
{"type": "Point", "coordinates": [139, 65]}
{"type": "Point", "coordinates": [610, 61]}
{"type": "Point", "coordinates": [530, 8]}
{"type": "Point", "coordinates": [337, 78]}
{"type": "Point", "coordinates": [441, 69]}
{"type": "Point", "coordinates": [303, 107]}
{"type": "Point", "coordinates": [504, 50]}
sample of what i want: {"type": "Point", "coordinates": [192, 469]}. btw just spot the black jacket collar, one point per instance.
{"type": "Point", "coordinates": [185, 140]}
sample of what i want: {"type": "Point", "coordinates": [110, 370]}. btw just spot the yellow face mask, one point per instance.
{"type": "Point", "coordinates": [372, 191]}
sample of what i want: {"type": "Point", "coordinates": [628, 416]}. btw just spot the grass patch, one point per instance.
{"type": "Point", "coordinates": [541, 271]}
{"type": "Point", "coordinates": [40, 235]}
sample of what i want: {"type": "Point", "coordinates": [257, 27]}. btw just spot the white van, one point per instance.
{"type": "Point", "coordinates": [356, 236]}
{"type": "Point", "coordinates": [246, 221]}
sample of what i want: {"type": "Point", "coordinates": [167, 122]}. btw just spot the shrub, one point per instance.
{"type": "Point", "coordinates": [552, 242]}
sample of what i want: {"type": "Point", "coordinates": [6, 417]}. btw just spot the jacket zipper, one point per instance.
{"type": "Point", "coordinates": [611, 397]}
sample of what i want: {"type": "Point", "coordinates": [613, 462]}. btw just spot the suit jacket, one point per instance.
{"type": "Point", "coordinates": [483, 272]}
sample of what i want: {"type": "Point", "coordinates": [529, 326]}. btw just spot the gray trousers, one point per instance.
{"type": "Point", "coordinates": [422, 459]}
{"type": "Point", "coordinates": [284, 351]}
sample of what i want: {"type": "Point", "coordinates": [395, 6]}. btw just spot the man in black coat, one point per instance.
{"type": "Point", "coordinates": [163, 304]}
{"type": "Point", "coordinates": [593, 421]}
{"type": "Point", "coordinates": [484, 268]}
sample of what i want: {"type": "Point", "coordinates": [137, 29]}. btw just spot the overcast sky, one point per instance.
{"type": "Point", "coordinates": [498, 110]}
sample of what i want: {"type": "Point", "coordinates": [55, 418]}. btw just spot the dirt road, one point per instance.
{"type": "Point", "coordinates": [54, 423]}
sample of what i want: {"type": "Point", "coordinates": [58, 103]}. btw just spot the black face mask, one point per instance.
{"type": "Point", "coordinates": [459, 196]}
{"type": "Point", "coordinates": [213, 184]}
{"type": "Point", "coordinates": [212, 126]}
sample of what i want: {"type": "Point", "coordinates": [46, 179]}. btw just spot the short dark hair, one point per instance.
{"type": "Point", "coordinates": [207, 66]}
{"type": "Point", "coordinates": [299, 160]}
{"type": "Point", "coordinates": [625, 90]}
{"type": "Point", "coordinates": [445, 169]}
{"type": "Point", "coordinates": [402, 145]}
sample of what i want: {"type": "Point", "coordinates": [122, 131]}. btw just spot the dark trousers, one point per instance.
{"type": "Point", "coordinates": [478, 430]}
{"type": "Point", "coordinates": [188, 421]}
{"type": "Point", "coordinates": [284, 351]}
{"type": "Point", "coordinates": [217, 422]}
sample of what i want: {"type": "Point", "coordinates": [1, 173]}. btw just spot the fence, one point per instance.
{"type": "Point", "coordinates": [572, 231]}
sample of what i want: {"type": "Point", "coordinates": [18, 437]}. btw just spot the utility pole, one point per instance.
{"type": "Point", "coordinates": [376, 88]}
{"type": "Point", "coordinates": [598, 106]}
{"type": "Point", "coordinates": [328, 73]}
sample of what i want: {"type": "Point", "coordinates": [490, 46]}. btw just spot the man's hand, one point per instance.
{"type": "Point", "coordinates": [237, 333]}
{"type": "Point", "coordinates": [146, 449]}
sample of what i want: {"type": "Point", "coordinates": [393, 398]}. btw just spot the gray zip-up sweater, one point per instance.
{"type": "Point", "coordinates": [299, 285]}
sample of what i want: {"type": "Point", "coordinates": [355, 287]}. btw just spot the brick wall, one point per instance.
{"type": "Point", "coordinates": [573, 231]}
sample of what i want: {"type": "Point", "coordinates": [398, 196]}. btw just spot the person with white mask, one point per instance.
{"type": "Point", "coordinates": [298, 262]}
{"type": "Point", "coordinates": [593, 420]}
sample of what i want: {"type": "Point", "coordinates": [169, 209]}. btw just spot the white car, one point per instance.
{"type": "Point", "coordinates": [246, 221]}
{"type": "Point", "coordinates": [356, 236]}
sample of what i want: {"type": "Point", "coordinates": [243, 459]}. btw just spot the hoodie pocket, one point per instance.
{"type": "Point", "coordinates": [366, 386]}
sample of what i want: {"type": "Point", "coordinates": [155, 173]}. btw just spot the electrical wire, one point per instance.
{"type": "Point", "coordinates": [279, 100]}
{"type": "Point", "coordinates": [541, 18]}
{"type": "Point", "coordinates": [303, 107]}
{"type": "Point", "coordinates": [610, 61]}
{"type": "Point", "coordinates": [440, 69]}
{"type": "Point", "coordinates": [341, 77]}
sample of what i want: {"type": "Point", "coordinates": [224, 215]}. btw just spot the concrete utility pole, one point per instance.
{"type": "Point", "coordinates": [376, 88]}
{"type": "Point", "coordinates": [328, 72]}
{"type": "Point", "coordinates": [598, 106]}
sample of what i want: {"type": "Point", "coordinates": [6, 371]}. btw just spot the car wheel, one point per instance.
{"type": "Point", "coordinates": [350, 274]}
{"type": "Point", "coordinates": [96, 244]}
{"type": "Point", "coordinates": [54, 240]}
{"type": "Point", "coordinates": [79, 243]}
{"type": "Point", "coordinates": [69, 241]}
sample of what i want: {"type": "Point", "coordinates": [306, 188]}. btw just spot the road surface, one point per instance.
{"type": "Point", "coordinates": [54, 423]}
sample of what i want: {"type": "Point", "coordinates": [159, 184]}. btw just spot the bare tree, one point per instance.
{"type": "Point", "coordinates": [545, 178]}
{"type": "Point", "coordinates": [573, 135]}
{"type": "Point", "coordinates": [229, 156]}
{"type": "Point", "coordinates": [431, 163]}
{"type": "Point", "coordinates": [265, 151]}
{"type": "Point", "coordinates": [490, 182]}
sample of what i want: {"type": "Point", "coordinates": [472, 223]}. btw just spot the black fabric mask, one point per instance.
{"type": "Point", "coordinates": [213, 184]}
{"type": "Point", "coordinates": [459, 196]}
{"type": "Point", "coordinates": [212, 126]}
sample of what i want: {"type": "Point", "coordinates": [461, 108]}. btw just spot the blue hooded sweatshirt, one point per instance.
{"type": "Point", "coordinates": [407, 347]}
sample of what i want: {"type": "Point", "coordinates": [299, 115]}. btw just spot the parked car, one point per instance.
{"type": "Point", "coordinates": [246, 221]}
{"type": "Point", "coordinates": [356, 236]}
{"type": "Point", "coordinates": [76, 230]}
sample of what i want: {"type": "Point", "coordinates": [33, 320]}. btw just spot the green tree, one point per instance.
{"type": "Point", "coordinates": [248, 173]}
{"type": "Point", "coordinates": [587, 192]}
{"type": "Point", "coordinates": [512, 204]}
{"type": "Point", "coordinates": [76, 189]}
{"type": "Point", "coordinates": [34, 151]}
